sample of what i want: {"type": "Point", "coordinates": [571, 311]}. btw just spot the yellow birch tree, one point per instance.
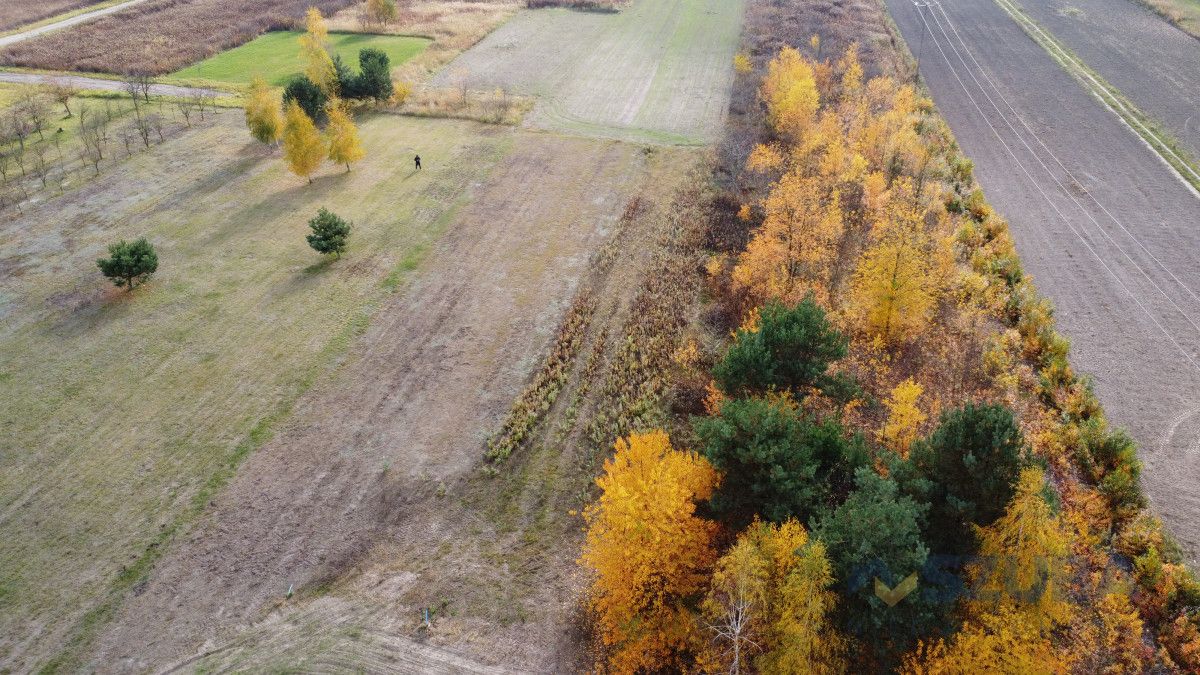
{"type": "Point", "coordinates": [314, 49]}
{"type": "Point", "coordinates": [303, 147]}
{"type": "Point", "coordinates": [264, 114]}
{"type": "Point", "coordinates": [345, 147]}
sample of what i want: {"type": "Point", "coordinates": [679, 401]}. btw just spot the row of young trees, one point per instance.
{"type": "Point", "coordinates": [38, 152]}
{"type": "Point", "coordinates": [843, 513]}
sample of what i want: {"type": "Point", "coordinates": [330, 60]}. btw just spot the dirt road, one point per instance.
{"type": "Point", "coordinates": [105, 85]}
{"type": "Point", "coordinates": [1108, 233]}
{"type": "Point", "coordinates": [65, 23]}
{"type": "Point", "coordinates": [1152, 62]}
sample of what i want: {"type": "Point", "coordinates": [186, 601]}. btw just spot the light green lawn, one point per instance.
{"type": "Point", "coordinates": [276, 56]}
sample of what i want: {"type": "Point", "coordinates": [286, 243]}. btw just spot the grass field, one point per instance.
{"type": "Point", "coordinates": [658, 71]}
{"type": "Point", "coordinates": [123, 410]}
{"type": "Point", "coordinates": [275, 56]}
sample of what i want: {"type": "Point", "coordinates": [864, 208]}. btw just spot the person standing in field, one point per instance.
{"type": "Point", "coordinates": [417, 161]}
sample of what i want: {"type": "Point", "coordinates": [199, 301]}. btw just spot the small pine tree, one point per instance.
{"type": "Point", "coordinates": [129, 263]}
{"type": "Point", "coordinates": [310, 97]}
{"type": "Point", "coordinates": [303, 147]}
{"type": "Point", "coordinates": [345, 147]}
{"type": "Point", "coordinates": [329, 233]}
{"type": "Point", "coordinates": [264, 116]}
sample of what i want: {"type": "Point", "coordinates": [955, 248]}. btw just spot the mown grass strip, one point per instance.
{"type": "Point", "coordinates": [1160, 141]}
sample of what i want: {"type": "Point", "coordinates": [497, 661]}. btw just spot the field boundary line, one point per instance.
{"type": "Point", "coordinates": [1111, 97]}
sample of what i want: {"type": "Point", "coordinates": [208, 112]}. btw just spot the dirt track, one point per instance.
{"type": "Point", "coordinates": [1152, 62]}
{"type": "Point", "coordinates": [1108, 233]}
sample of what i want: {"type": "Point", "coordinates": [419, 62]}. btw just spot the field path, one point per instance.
{"type": "Point", "coordinates": [106, 85]}
{"type": "Point", "coordinates": [365, 452]}
{"type": "Point", "coordinates": [65, 23]}
{"type": "Point", "coordinates": [1104, 227]}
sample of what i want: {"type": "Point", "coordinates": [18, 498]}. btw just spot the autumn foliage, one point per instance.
{"type": "Point", "coordinates": [889, 391]}
{"type": "Point", "coordinates": [649, 551]}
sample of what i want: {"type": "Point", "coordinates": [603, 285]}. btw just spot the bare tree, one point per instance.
{"type": "Point", "coordinates": [186, 106]}
{"type": "Point", "coordinates": [31, 105]}
{"type": "Point", "coordinates": [203, 100]}
{"type": "Point", "coordinates": [41, 167]}
{"type": "Point", "coordinates": [127, 137]}
{"type": "Point", "coordinates": [63, 91]}
{"type": "Point", "coordinates": [5, 166]}
{"type": "Point", "coordinates": [732, 628]}
{"type": "Point", "coordinates": [155, 120]}
{"type": "Point", "coordinates": [138, 85]}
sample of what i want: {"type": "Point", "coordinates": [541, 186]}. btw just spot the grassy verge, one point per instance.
{"type": "Point", "coordinates": [1183, 14]}
{"type": "Point", "coordinates": [1160, 141]}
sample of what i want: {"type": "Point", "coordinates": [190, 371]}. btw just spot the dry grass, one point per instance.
{"type": "Point", "coordinates": [454, 25]}
{"type": "Point", "coordinates": [593, 5]}
{"type": "Point", "coordinates": [496, 107]}
{"type": "Point", "coordinates": [160, 36]}
{"type": "Point", "coordinates": [1183, 13]}
{"type": "Point", "coordinates": [123, 412]}
{"type": "Point", "coordinates": [15, 13]}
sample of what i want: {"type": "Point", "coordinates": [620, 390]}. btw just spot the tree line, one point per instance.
{"type": "Point", "coordinates": [897, 468]}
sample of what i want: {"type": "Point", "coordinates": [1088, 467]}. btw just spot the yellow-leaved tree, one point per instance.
{"type": "Point", "coordinates": [264, 114]}
{"type": "Point", "coordinates": [789, 256]}
{"type": "Point", "coordinates": [1024, 558]}
{"type": "Point", "coordinates": [768, 605]}
{"type": "Point", "coordinates": [790, 92]}
{"type": "Point", "coordinates": [895, 285]}
{"type": "Point", "coordinates": [905, 417]}
{"type": "Point", "coordinates": [995, 642]}
{"type": "Point", "coordinates": [648, 552]}
{"type": "Point", "coordinates": [314, 49]}
{"type": "Point", "coordinates": [345, 147]}
{"type": "Point", "coordinates": [303, 147]}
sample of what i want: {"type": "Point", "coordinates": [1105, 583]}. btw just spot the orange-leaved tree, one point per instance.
{"type": "Point", "coordinates": [1024, 557]}
{"type": "Point", "coordinates": [769, 602]}
{"type": "Point", "coordinates": [264, 116]}
{"type": "Point", "coordinates": [905, 417]}
{"type": "Point", "coordinates": [790, 255]}
{"type": "Point", "coordinates": [995, 642]}
{"type": "Point", "coordinates": [648, 552]}
{"type": "Point", "coordinates": [895, 285]}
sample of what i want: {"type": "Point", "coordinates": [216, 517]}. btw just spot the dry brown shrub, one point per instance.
{"type": "Point", "coordinates": [16, 13]}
